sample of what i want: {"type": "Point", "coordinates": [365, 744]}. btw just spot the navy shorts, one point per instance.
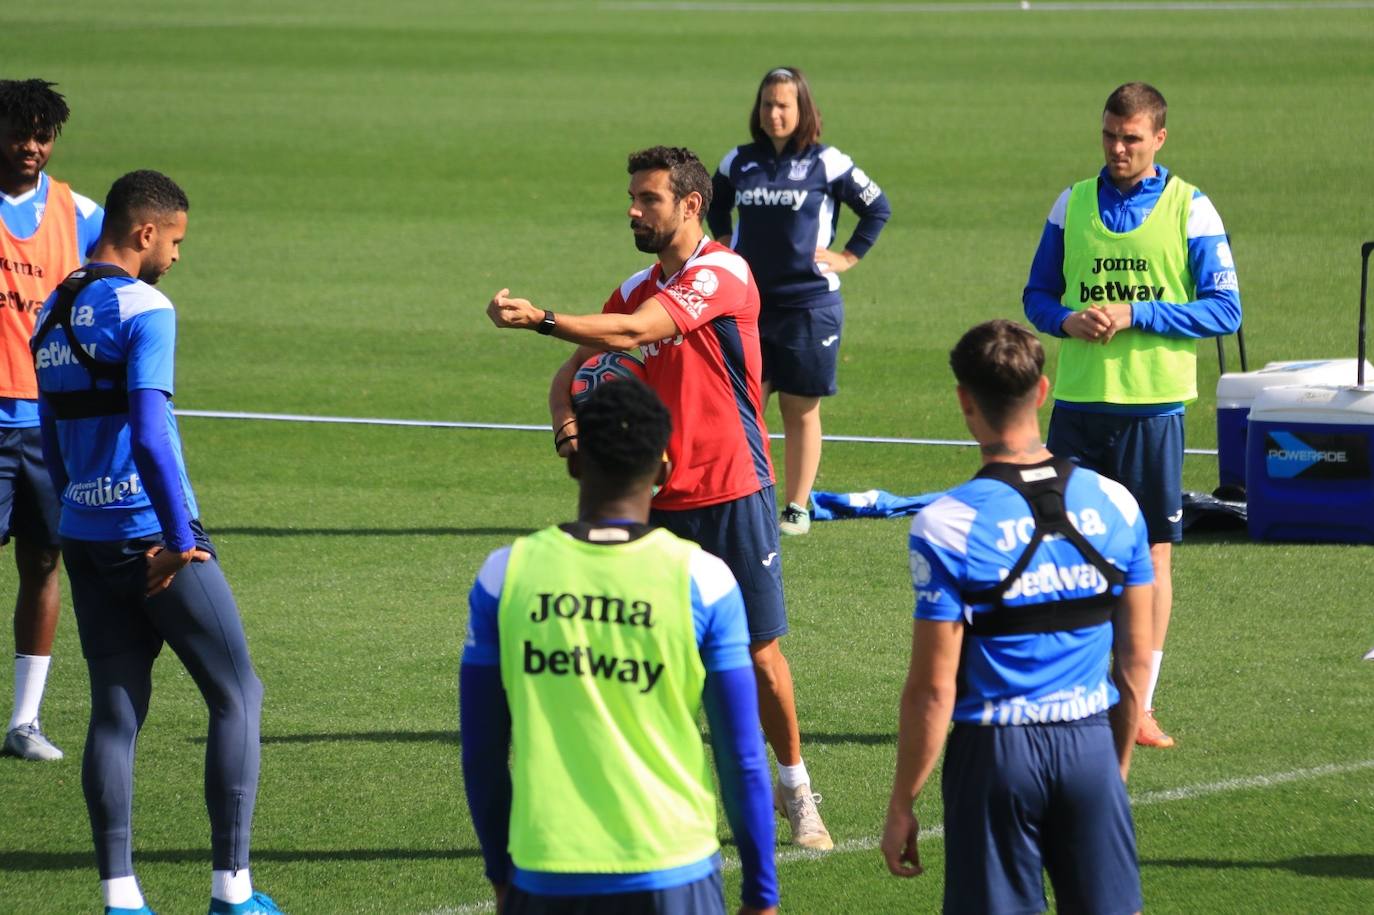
{"type": "Point", "coordinates": [29, 508]}
{"type": "Point", "coordinates": [1142, 453]}
{"type": "Point", "coordinates": [744, 533]}
{"type": "Point", "coordinates": [1019, 799]}
{"type": "Point", "coordinates": [702, 897]}
{"type": "Point", "coordinates": [801, 348]}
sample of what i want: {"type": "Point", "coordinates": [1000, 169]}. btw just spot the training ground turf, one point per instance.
{"type": "Point", "coordinates": [364, 176]}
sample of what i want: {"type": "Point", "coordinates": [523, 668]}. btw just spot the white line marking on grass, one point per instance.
{"type": "Point", "coordinates": [520, 427]}
{"type": "Point", "coordinates": [1251, 781]}
{"type": "Point", "coordinates": [1146, 799]}
{"type": "Point", "coordinates": [356, 420]}
{"type": "Point", "coordinates": [463, 909]}
{"type": "Point", "coordinates": [1032, 6]}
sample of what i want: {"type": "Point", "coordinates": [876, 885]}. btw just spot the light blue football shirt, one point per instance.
{"type": "Point", "coordinates": [970, 538]}
{"type": "Point", "coordinates": [117, 320]}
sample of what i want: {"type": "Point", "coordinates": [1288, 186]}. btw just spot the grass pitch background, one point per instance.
{"type": "Point", "coordinates": [363, 178]}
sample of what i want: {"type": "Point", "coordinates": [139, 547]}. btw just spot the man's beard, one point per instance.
{"type": "Point", "coordinates": [654, 242]}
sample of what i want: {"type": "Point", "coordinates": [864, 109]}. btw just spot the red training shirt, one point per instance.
{"type": "Point", "coordinates": [709, 376]}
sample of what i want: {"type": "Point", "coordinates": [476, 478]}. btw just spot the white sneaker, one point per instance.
{"type": "Point", "coordinates": [798, 805]}
{"type": "Point", "coordinates": [27, 741]}
{"type": "Point", "coordinates": [795, 520]}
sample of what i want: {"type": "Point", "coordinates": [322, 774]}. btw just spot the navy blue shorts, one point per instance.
{"type": "Point", "coordinates": [1019, 799]}
{"type": "Point", "coordinates": [744, 533]}
{"type": "Point", "coordinates": [29, 508]}
{"type": "Point", "coordinates": [702, 897]}
{"type": "Point", "coordinates": [801, 348]}
{"type": "Point", "coordinates": [1142, 453]}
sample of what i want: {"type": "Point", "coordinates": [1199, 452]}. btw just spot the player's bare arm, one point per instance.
{"type": "Point", "coordinates": [1132, 630]}
{"type": "Point", "coordinates": [926, 709]}
{"type": "Point", "coordinates": [561, 411]}
{"type": "Point", "coordinates": [650, 323]}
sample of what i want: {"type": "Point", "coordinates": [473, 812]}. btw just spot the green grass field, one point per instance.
{"type": "Point", "coordinates": [363, 177]}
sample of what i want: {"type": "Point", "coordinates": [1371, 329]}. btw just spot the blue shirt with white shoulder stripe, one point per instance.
{"type": "Point", "coordinates": [970, 538]}
{"type": "Point", "coordinates": [788, 207]}
{"type": "Point", "coordinates": [105, 497]}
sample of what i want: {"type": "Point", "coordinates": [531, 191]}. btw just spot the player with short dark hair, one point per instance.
{"type": "Point", "coordinates": [998, 367]}
{"type": "Point", "coordinates": [686, 175]}
{"type": "Point", "coordinates": [142, 569]}
{"type": "Point", "coordinates": [46, 231]}
{"type": "Point", "coordinates": [788, 188]}
{"type": "Point", "coordinates": [1032, 629]}
{"type": "Point", "coordinates": [1134, 267]}
{"type": "Point", "coordinates": [1130, 99]}
{"type": "Point", "coordinates": [694, 316]}
{"type": "Point", "coordinates": [139, 196]}
{"type": "Point", "coordinates": [591, 648]}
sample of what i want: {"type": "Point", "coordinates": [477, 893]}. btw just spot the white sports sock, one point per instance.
{"type": "Point", "coordinates": [792, 776]}
{"type": "Point", "coordinates": [231, 886]}
{"type": "Point", "coordinates": [122, 893]}
{"type": "Point", "coordinates": [1156, 659]}
{"type": "Point", "coordinates": [30, 676]}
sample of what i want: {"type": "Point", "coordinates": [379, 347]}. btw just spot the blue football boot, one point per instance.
{"type": "Point", "coordinates": [259, 904]}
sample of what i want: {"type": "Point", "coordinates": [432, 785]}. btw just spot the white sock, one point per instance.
{"type": "Point", "coordinates": [792, 776]}
{"type": "Point", "coordinates": [232, 887]}
{"type": "Point", "coordinates": [122, 893]}
{"type": "Point", "coordinates": [30, 676]}
{"type": "Point", "coordinates": [1156, 659]}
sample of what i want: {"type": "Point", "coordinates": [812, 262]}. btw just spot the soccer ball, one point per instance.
{"type": "Point", "coordinates": [600, 369]}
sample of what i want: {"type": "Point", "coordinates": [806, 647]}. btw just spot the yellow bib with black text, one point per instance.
{"type": "Point", "coordinates": [1149, 263]}
{"type": "Point", "coordinates": [601, 668]}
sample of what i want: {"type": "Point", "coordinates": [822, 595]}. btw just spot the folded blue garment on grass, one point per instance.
{"type": "Point", "coordinates": [875, 503]}
{"type": "Point", "coordinates": [1200, 510]}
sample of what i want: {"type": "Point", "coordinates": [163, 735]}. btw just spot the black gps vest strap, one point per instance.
{"type": "Point", "coordinates": [97, 401]}
{"type": "Point", "coordinates": [1042, 486]}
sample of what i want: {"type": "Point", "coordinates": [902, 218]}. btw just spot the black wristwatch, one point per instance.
{"type": "Point", "coordinates": [546, 326]}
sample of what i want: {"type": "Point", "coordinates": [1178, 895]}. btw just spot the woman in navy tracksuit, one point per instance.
{"type": "Point", "coordinates": [786, 186]}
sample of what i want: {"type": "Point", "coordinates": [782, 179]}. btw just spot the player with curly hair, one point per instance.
{"type": "Point", "coordinates": [46, 231]}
